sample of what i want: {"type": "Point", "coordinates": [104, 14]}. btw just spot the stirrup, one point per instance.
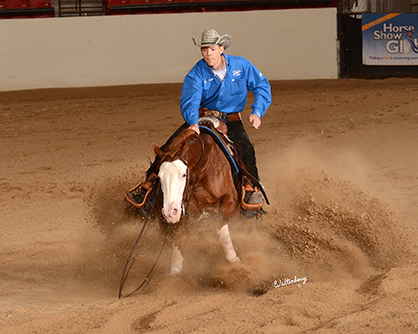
{"type": "Point", "coordinates": [252, 199]}
{"type": "Point", "coordinates": [137, 200]}
{"type": "Point", "coordinates": [142, 195]}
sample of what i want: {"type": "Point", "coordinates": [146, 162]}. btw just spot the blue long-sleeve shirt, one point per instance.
{"type": "Point", "coordinates": [202, 88]}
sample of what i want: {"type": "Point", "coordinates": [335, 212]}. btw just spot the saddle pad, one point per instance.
{"type": "Point", "coordinates": [222, 144]}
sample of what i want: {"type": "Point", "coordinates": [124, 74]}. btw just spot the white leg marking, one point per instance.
{"type": "Point", "coordinates": [226, 242]}
{"type": "Point", "coordinates": [176, 261]}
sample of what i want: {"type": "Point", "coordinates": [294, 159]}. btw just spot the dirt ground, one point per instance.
{"type": "Point", "coordinates": [336, 252]}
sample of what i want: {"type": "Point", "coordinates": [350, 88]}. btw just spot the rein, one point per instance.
{"type": "Point", "coordinates": [127, 268]}
{"type": "Point", "coordinates": [190, 193]}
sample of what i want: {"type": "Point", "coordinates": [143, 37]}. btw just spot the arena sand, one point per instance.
{"type": "Point", "coordinates": [336, 252]}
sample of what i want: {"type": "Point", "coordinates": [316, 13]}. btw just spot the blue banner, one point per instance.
{"type": "Point", "coordinates": [390, 39]}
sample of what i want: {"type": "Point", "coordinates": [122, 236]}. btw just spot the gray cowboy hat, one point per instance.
{"type": "Point", "coordinates": [211, 37]}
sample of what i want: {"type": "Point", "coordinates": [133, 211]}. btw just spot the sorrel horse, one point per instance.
{"type": "Point", "coordinates": [195, 179]}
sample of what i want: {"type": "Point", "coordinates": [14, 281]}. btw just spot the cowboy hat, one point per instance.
{"type": "Point", "coordinates": [211, 37]}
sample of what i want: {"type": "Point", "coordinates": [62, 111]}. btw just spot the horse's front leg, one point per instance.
{"type": "Point", "coordinates": [177, 257]}
{"type": "Point", "coordinates": [228, 207]}
{"type": "Point", "coordinates": [227, 245]}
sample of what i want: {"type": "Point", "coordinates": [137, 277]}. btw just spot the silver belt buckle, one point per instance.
{"type": "Point", "coordinates": [215, 113]}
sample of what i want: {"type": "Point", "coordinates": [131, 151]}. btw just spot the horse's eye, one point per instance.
{"type": "Point", "coordinates": [184, 175]}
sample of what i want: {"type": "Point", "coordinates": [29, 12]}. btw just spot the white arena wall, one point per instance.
{"type": "Point", "coordinates": [158, 48]}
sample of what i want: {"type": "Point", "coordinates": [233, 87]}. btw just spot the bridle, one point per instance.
{"type": "Point", "coordinates": [188, 191]}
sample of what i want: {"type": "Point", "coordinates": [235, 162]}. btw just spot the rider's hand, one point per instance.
{"type": "Point", "coordinates": [195, 127]}
{"type": "Point", "coordinates": [255, 121]}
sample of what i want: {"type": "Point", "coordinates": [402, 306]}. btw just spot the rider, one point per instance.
{"type": "Point", "coordinates": [220, 84]}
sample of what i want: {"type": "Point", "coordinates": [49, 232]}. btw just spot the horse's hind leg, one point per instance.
{"type": "Point", "coordinates": [227, 245]}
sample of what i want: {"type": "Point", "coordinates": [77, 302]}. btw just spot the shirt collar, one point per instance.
{"type": "Point", "coordinates": [226, 59]}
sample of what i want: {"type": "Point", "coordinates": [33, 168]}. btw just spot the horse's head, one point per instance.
{"type": "Point", "coordinates": [173, 174]}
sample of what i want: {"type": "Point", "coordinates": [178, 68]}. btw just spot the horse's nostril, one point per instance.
{"type": "Point", "coordinates": [170, 213]}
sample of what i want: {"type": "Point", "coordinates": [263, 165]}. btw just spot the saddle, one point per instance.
{"type": "Point", "coordinates": [211, 122]}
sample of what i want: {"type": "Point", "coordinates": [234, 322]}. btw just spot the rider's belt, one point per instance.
{"type": "Point", "coordinates": [235, 116]}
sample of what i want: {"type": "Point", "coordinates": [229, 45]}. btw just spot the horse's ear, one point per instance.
{"type": "Point", "coordinates": [157, 150]}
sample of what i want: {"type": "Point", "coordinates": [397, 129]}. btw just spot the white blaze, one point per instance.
{"type": "Point", "coordinates": [173, 182]}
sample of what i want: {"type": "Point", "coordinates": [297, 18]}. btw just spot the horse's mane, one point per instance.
{"type": "Point", "coordinates": [180, 143]}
